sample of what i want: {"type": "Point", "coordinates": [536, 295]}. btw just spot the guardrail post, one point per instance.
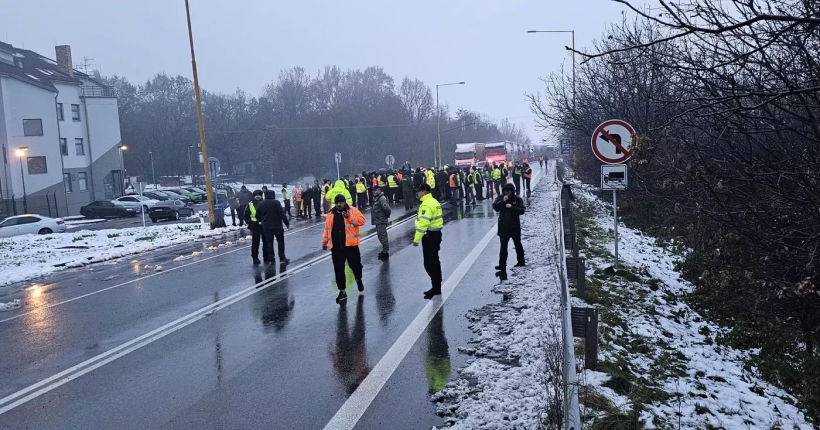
{"type": "Point", "coordinates": [56, 206]}
{"type": "Point", "coordinates": [591, 339]}
{"type": "Point", "coordinates": [585, 325]}
{"type": "Point", "coordinates": [48, 203]}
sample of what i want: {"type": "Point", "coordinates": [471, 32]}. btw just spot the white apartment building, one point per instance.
{"type": "Point", "coordinates": [59, 133]}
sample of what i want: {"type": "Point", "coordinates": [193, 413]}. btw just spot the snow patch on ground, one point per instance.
{"type": "Point", "coordinates": [14, 304]}
{"type": "Point", "coordinates": [503, 386]}
{"type": "Point", "coordinates": [708, 384]}
{"type": "Point", "coordinates": [29, 256]}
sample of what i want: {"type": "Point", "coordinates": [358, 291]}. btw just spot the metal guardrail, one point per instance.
{"type": "Point", "coordinates": [572, 412]}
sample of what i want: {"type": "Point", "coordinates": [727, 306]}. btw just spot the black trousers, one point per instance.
{"type": "Point", "coordinates": [505, 241]}
{"type": "Point", "coordinates": [317, 205]}
{"type": "Point", "coordinates": [287, 208]}
{"type": "Point", "coordinates": [241, 210]}
{"type": "Point", "coordinates": [307, 207]}
{"type": "Point", "coordinates": [268, 236]}
{"type": "Point", "coordinates": [351, 255]}
{"type": "Point", "coordinates": [257, 237]}
{"type": "Point", "coordinates": [517, 181]}
{"type": "Point", "coordinates": [408, 200]}
{"type": "Point", "coordinates": [362, 198]}
{"type": "Point", "coordinates": [430, 245]}
{"type": "Point", "coordinates": [527, 183]}
{"type": "Point", "coordinates": [478, 192]}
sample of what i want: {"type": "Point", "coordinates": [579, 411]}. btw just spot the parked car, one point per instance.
{"type": "Point", "coordinates": [192, 196]}
{"type": "Point", "coordinates": [105, 208]}
{"type": "Point", "coordinates": [135, 201]}
{"type": "Point", "coordinates": [201, 193]}
{"type": "Point", "coordinates": [175, 195]}
{"type": "Point", "coordinates": [155, 195]}
{"type": "Point", "coordinates": [31, 224]}
{"type": "Point", "coordinates": [169, 209]}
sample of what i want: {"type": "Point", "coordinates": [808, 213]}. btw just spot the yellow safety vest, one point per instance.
{"type": "Point", "coordinates": [360, 188]}
{"type": "Point", "coordinates": [252, 208]}
{"type": "Point", "coordinates": [429, 217]}
{"type": "Point", "coordinates": [430, 178]}
{"type": "Point", "coordinates": [391, 181]}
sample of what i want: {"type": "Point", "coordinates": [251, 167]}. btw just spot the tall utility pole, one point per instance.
{"type": "Point", "coordinates": [153, 172]}
{"type": "Point", "coordinates": [573, 56]}
{"type": "Point", "coordinates": [208, 189]}
{"type": "Point", "coordinates": [438, 120]}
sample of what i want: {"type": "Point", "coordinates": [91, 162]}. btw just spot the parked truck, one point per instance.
{"type": "Point", "coordinates": [495, 152]}
{"type": "Point", "coordinates": [465, 154]}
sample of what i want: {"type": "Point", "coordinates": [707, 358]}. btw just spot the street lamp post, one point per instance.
{"type": "Point", "coordinates": [573, 56]}
{"type": "Point", "coordinates": [20, 152]}
{"type": "Point", "coordinates": [438, 119]}
{"type": "Point", "coordinates": [208, 189]}
{"type": "Point", "coordinates": [122, 149]}
{"type": "Point", "coordinates": [153, 173]}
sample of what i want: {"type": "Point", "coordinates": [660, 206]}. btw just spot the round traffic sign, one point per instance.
{"type": "Point", "coordinates": [389, 160]}
{"type": "Point", "coordinates": [612, 141]}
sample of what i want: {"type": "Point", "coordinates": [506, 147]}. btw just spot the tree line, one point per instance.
{"type": "Point", "coordinates": [296, 125]}
{"type": "Point", "coordinates": [724, 97]}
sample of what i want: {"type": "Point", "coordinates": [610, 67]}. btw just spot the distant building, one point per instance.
{"type": "Point", "coordinates": [69, 122]}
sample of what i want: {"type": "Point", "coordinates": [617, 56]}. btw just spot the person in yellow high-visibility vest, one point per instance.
{"type": "Point", "coordinates": [429, 224]}
{"type": "Point", "coordinates": [393, 188]}
{"type": "Point", "coordinates": [361, 193]}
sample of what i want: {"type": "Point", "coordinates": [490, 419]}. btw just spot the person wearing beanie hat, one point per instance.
{"type": "Point", "coordinates": [429, 224]}
{"type": "Point", "coordinates": [510, 207]}
{"type": "Point", "coordinates": [341, 235]}
{"type": "Point", "coordinates": [271, 217]}
{"type": "Point", "coordinates": [250, 217]}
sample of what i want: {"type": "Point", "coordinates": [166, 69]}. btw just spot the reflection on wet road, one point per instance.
{"type": "Point", "coordinates": [281, 355]}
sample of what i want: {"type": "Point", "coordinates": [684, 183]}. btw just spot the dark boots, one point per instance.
{"type": "Point", "coordinates": [432, 292]}
{"type": "Point", "coordinates": [342, 297]}
{"type": "Point", "coordinates": [360, 284]}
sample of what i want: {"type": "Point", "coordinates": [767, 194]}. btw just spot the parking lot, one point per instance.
{"type": "Point", "coordinates": [116, 223]}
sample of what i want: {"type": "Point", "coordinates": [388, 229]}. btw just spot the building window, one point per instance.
{"type": "Point", "coordinates": [63, 146]}
{"type": "Point", "coordinates": [37, 165]}
{"type": "Point", "coordinates": [78, 144]}
{"type": "Point", "coordinates": [60, 116]}
{"type": "Point", "coordinates": [67, 182]}
{"type": "Point", "coordinates": [83, 181]}
{"type": "Point", "coordinates": [32, 127]}
{"type": "Point", "coordinates": [75, 112]}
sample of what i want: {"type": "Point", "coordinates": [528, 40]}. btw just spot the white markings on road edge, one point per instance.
{"type": "Point", "coordinates": [95, 362]}
{"type": "Point", "coordinates": [200, 260]}
{"type": "Point", "coordinates": [352, 410]}
{"type": "Point", "coordinates": [356, 405]}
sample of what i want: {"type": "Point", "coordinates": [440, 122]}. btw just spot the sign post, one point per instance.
{"type": "Point", "coordinates": [390, 160]}
{"type": "Point", "coordinates": [612, 143]}
{"type": "Point", "coordinates": [140, 189]}
{"type": "Point", "coordinates": [338, 160]}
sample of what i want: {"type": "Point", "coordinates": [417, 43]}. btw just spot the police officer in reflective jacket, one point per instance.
{"type": "Point", "coordinates": [429, 224]}
{"type": "Point", "coordinates": [256, 229]}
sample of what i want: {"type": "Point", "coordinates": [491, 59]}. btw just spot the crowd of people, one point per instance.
{"type": "Point", "coordinates": [341, 205]}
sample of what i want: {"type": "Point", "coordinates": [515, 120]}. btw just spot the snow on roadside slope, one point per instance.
{"type": "Point", "coordinates": [32, 255]}
{"type": "Point", "coordinates": [503, 386]}
{"type": "Point", "coordinates": [707, 383]}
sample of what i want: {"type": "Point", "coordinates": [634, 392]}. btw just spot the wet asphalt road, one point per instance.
{"type": "Point", "coordinates": [280, 354]}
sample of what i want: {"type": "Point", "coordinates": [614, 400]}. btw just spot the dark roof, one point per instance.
{"type": "Point", "coordinates": [38, 70]}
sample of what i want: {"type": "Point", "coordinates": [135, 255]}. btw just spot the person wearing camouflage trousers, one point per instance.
{"type": "Point", "coordinates": [380, 215]}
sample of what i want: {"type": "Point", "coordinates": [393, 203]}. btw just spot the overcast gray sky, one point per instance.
{"type": "Point", "coordinates": [244, 43]}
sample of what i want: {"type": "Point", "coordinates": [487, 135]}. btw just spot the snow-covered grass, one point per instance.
{"type": "Point", "coordinates": [29, 256]}
{"type": "Point", "coordinates": [503, 386]}
{"type": "Point", "coordinates": [659, 362]}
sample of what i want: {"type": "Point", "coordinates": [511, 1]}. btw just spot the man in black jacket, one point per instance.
{"type": "Point", "coordinates": [271, 216]}
{"type": "Point", "coordinates": [307, 200]}
{"type": "Point", "coordinates": [510, 207]}
{"type": "Point", "coordinates": [250, 216]}
{"type": "Point", "coordinates": [243, 197]}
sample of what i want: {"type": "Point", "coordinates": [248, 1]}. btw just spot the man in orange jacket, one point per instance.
{"type": "Point", "coordinates": [341, 235]}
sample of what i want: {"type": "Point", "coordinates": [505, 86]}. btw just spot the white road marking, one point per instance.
{"type": "Point", "coordinates": [199, 260]}
{"type": "Point", "coordinates": [356, 405]}
{"type": "Point", "coordinates": [33, 391]}
{"type": "Point", "coordinates": [352, 410]}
